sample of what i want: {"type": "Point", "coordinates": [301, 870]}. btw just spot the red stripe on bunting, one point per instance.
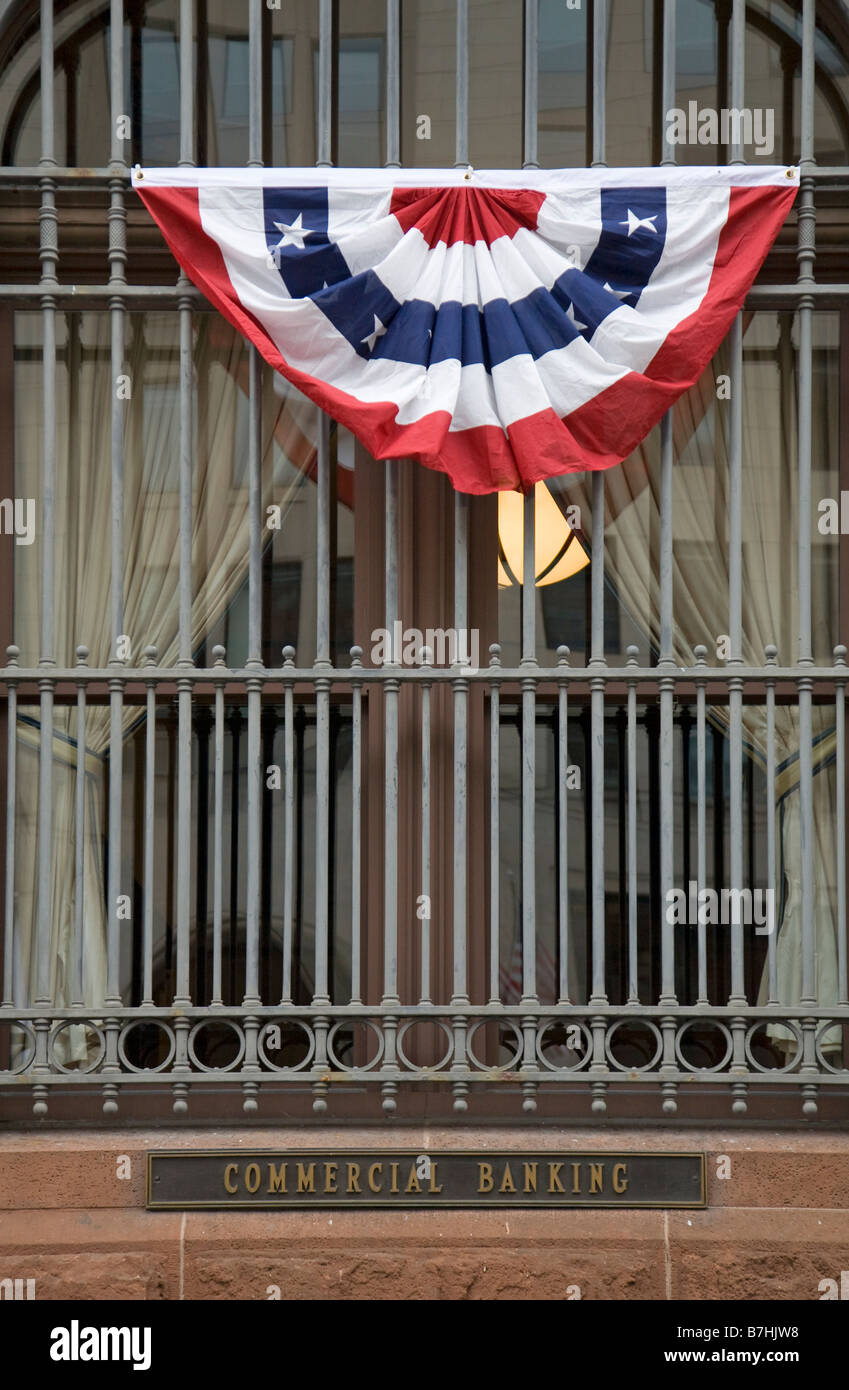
{"type": "Point", "coordinates": [449, 215]}
{"type": "Point", "coordinates": [485, 458]}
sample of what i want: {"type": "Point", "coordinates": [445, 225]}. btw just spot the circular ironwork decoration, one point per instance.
{"type": "Point", "coordinates": [633, 1023]}
{"type": "Point", "coordinates": [213, 1044]}
{"type": "Point", "coordinates": [89, 1027]}
{"type": "Point", "coordinates": [407, 1027]}
{"type": "Point", "coordinates": [294, 1034]}
{"type": "Point", "coordinates": [27, 1054]}
{"type": "Point", "coordinates": [709, 1025]}
{"type": "Point", "coordinates": [501, 1023]}
{"type": "Point", "coordinates": [350, 1025]}
{"type": "Point", "coordinates": [562, 1026]}
{"type": "Point", "coordinates": [765, 1023]}
{"type": "Point", "coordinates": [156, 1026]}
{"type": "Point", "coordinates": [823, 1028]}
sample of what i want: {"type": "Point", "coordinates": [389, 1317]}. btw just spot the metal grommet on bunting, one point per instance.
{"type": "Point", "coordinates": [468, 173]}
{"type": "Point", "coordinates": [138, 172]}
{"type": "Point", "coordinates": [791, 174]}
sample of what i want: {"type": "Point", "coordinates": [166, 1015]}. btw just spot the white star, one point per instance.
{"type": "Point", "coordinates": [371, 338]}
{"type": "Point", "coordinates": [293, 232]}
{"type": "Point", "coordinates": [620, 294]}
{"type": "Point", "coordinates": [573, 318]}
{"type": "Point", "coordinates": [634, 223]}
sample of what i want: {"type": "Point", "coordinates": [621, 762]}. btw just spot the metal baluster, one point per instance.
{"type": "Point", "coordinates": [393, 83]}
{"type": "Point", "coordinates": [254, 664]}
{"type": "Point", "coordinates": [219, 655]}
{"type": "Point", "coordinates": [494, 827]}
{"type": "Point", "coordinates": [666, 663]}
{"type": "Point", "coordinates": [356, 824]}
{"type": "Point", "coordinates": [288, 823]}
{"type": "Point", "coordinates": [633, 961]}
{"type": "Point", "coordinates": [599, 111]}
{"type": "Point", "coordinates": [48, 255]}
{"type": "Point", "coordinates": [771, 653]}
{"type": "Point", "coordinates": [840, 792]}
{"type": "Point", "coordinates": [531, 102]}
{"type": "Point", "coordinates": [460, 685]}
{"type": "Point", "coordinates": [117, 282]}
{"type": "Point", "coordinates": [462, 86]}
{"type": "Point", "coordinates": [182, 995]}
{"type": "Point", "coordinates": [700, 653]}
{"type": "Point", "coordinates": [806, 214]}
{"type": "Point", "coordinates": [596, 663]}
{"type": "Point", "coordinates": [424, 996]}
{"type": "Point", "coordinates": [563, 831]}
{"type": "Point", "coordinates": [9, 992]}
{"type": "Point", "coordinates": [390, 823]}
{"type": "Point", "coordinates": [150, 654]}
{"type": "Point", "coordinates": [77, 996]}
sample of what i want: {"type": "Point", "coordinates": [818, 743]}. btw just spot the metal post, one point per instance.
{"type": "Point", "coordinates": [393, 83]}
{"type": "Point", "coordinates": [462, 86]}
{"type": "Point", "coordinates": [599, 159]}
{"type": "Point", "coordinates": [9, 992]}
{"type": "Point", "coordinates": [531, 95]}
{"type": "Point", "coordinates": [49, 257]}
{"type": "Point", "coordinates": [633, 975]}
{"type": "Point", "coordinates": [77, 996]}
{"type": "Point", "coordinates": [805, 256]}
{"type": "Point", "coordinates": [460, 687]}
{"type": "Point", "coordinates": [356, 823]}
{"type": "Point", "coordinates": [494, 827]}
{"type": "Point", "coordinates": [563, 830]}
{"type": "Point", "coordinates": [700, 653]}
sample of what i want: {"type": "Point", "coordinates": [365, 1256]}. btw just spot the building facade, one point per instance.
{"type": "Point", "coordinates": [571, 880]}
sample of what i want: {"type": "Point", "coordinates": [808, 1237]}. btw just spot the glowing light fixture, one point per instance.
{"type": "Point", "coordinates": [558, 554]}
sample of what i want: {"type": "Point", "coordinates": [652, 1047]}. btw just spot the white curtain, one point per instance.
{"type": "Point", "coordinates": [151, 544]}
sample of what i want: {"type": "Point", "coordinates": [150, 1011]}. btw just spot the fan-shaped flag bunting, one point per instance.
{"type": "Point", "coordinates": [501, 326]}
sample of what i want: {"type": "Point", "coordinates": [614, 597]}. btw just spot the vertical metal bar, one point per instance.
{"type": "Point", "coordinates": [597, 659]}
{"type": "Point", "coordinates": [840, 792]}
{"type": "Point", "coordinates": [667, 81]}
{"type": "Point", "coordinates": [529, 661]}
{"type": "Point", "coordinates": [254, 657]}
{"type": "Point", "coordinates": [184, 689]}
{"type": "Point", "coordinates": [666, 682]}
{"type": "Point", "coordinates": [806, 256]}
{"type": "Point", "coordinates": [218, 835]}
{"type": "Point", "coordinates": [117, 279]}
{"type": "Point", "coordinates": [460, 685]}
{"type": "Point", "coordinates": [49, 255]}
{"type": "Point", "coordinates": [771, 653]}
{"type": "Point", "coordinates": [79, 837]}
{"type": "Point", "coordinates": [633, 960]}
{"type": "Point", "coordinates": [8, 995]}
{"type": "Point", "coordinates": [393, 83]}
{"type": "Point", "coordinates": [735, 628]}
{"type": "Point", "coordinates": [390, 843]}
{"type": "Point", "coordinates": [356, 827]}
{"type": "Point", "coordinates": [288, 825]}
{"type": "Point", "coordinates": [427, 658]}
{"type": "Point", "coordinates": [462, 86]}
{"type": "Point", "coordinates": [494, 829]}
{"type": "Point", "coordinates": [325, 82]}
{"type": "Point", "coordinates": [322, 715]}
{"type": "Point", "coordinates": [738, 76]}
{"type": "Point", "coordinates": [149, 831]}
{"type": "Point", "coordinates": [701, 823]}
{"type": "Point", "coordinates": [599, 83]}
{"type": "Point", "coordinates": [187, 82]}
{"type": "Point", "coordinates": [563, 830]}
{"type": "Point", "coordinates": [531, 94]}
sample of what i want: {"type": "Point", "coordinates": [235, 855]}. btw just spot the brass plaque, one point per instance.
{"type": "Point", "coordinates": [312, 1178]}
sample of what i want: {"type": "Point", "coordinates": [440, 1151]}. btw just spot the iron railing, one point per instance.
{"type": "Point", "coordinates": [328, 1044]}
